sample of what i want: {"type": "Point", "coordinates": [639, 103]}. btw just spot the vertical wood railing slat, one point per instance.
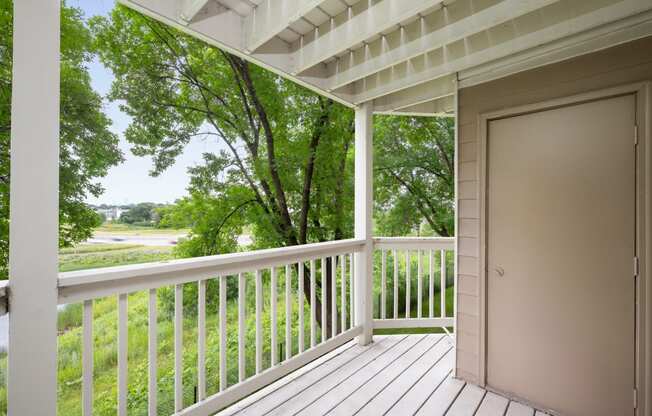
{"type": "Point", "coordinates": [351, 292]}
{"type": "Point", "coordinates": [343, 292]}
{"type": "Point", "coordinates": [431, 284]}
{"type": "Point", "coordinates": [122, 354]}
{"type": "Point", "coordinates": [407, 283]}
{"type": "Point", "coordinates": [300, 298]}
{"type": "Point", "coordinates": [242, 330]}
{"type": "Point", "coordinates": [288, 312]}
{"type": "Point", "coordinates": [259, 321]}
{"type": "Point", "coordinates": [222, 312]}
{"type": "Point", "coordinates": [152, 322]}
{"type": "Point", "coordinates": [419, 282]}
{"type": "Point", "coordinates": [383, 284]}
{"type": "Point", "coordinates": [87, 359]}
{"type": "Point", "coordinates": [333, 296]}
{"type": "Point", "coordinates": [178, 348]}
{"type": "Point", "coordinates": [201, 340]}
{"type": "Point", "coordinates": [443, 282]}
{"type": "Point", "coordinates": [313, 306]}
{"type": "Point", "coordinates": [324, 299]}
{"type": "Point", "coordinates": [274, 316]}
{"type": "Point", "coordinates": [395, 298]}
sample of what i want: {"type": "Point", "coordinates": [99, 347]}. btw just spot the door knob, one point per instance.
{"type": "Point", "coordinates": [500, 271]}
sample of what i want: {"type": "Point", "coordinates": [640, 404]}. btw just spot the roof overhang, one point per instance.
{"type": "Point", "coordinates": [405, 56]}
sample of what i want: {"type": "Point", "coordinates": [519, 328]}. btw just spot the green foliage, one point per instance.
{"type": "Point", "coordinates": [142, 213]}
{"type": "Point", "coordinates": [87, 148]}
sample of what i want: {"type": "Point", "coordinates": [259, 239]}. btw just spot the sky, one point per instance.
{"type": "Point", "coordinates": [130, 181]}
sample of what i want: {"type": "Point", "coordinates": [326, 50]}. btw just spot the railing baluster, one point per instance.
{"type": "Point", "coordinates": [242, 330]}
{"type": "Point", "coordinates": [333, 296]}
{"type": "Point", "coordinates": [383, 284]}
{"type": "Point", "coordinates": [324, 299]}
{"type": "Point", "coordinates": [395, 257]}
{"type": "Point", "coordinates": [87, 359]}
{"type": "Point", "coordinates": [300, 297]}
{"type": "Point", "coordinates": [343, 292]}
{"type": "Point", "coordinates": [201, 340]}
{"type": "Point", "coordinates": [122, 354]}
{"type": "Point", "coordinates": [419, 282]}
{"type": "Point", "coordinates": [152, 322]}
{"type": "Point", "coordinates": [259, 321]}
{"type": "Point", "coordinates": [407, 283]}
{"type": "Point", "coordinates": [443, 282]}
{"type": "Point", "coordinates": [313, 306]}
{"type": "Point", "coordinates": [223, 379]}
{"type": "Point", "coordinates": [431, 284]}
{"type": "Point", "coordinates": [274, 316]}
{"type": "Point", "coordinates": [351, 292]}
{"type": "Point", "coordinates": [178, 348]}
{"type": "Point", "coordinates": [288, 312]}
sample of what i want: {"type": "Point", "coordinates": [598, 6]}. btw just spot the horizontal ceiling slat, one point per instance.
{"type": "Point", "coordinates": [444, 106]}
{"type": "Point", "coordinates": [431, 90]}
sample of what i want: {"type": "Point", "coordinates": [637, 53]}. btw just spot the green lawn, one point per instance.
{"type": "Point", "coordinates": [128, 229]}
{"type": "Point", "coordinates": [91, 256]}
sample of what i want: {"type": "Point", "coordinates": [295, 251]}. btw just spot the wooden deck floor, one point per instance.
{"type": "Point", "coordinates": [397, 375]}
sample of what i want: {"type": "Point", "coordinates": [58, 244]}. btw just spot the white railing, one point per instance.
{"type": "Point", "coordinates": [398, 258]}
{"type": "Point", "coordinates": [295, 262]}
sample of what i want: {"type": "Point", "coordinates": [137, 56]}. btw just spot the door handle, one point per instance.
{"type": "Point", "coordinates": [500, 271]}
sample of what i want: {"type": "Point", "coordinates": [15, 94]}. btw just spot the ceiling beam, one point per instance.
{"type": "Point", "coordinates": [441, 107]}
{"type": "Point", "coordinates": [431, 90]}
{"type": "Point", "coordinates": [378, 18]}
{"type": "Point", "coordinates": [554, 26]}
{"type": "Point", "coordinates": [272, 17]}
{"type": "Point", "coordinates": [467, 21]}
{"type": "Point", "coordinates": [190, 9]}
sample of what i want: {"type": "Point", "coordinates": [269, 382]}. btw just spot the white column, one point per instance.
{"type": "Point", "coordinates": [363, 220]}
{"type": "Point", "coordinates": [32, 373]}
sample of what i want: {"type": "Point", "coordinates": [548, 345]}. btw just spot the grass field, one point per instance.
{"type": "Point", "coordinates": [127, 229]}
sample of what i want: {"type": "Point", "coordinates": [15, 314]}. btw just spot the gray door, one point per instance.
{"type": "Point", "coordinates": [560, 248]}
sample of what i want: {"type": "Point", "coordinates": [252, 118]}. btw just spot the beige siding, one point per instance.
{"type": "Point", "coordinates": [620, 65]}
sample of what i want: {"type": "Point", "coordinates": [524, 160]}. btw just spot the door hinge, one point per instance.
{"type": "Point", "coordinates": [636, 267]}
{"type": "Point", "coordinates": [635, 134]}
{"type": "Point", "coordinates": [635, 399]}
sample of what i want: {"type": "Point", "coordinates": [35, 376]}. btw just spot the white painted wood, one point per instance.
{"type": "Point", "coordinates": [313, 303]}
{"type": "Point", "coordinates": [259, 321]}
{"type": "Point", "coordinates": [352, 297]}
{"type": "Point", "coordinates": [395, 297]}
{"type": "Point", "coordinates": [288, 312]}
{"type": "Point", "coordinates": [330, 381]}
{"type": "Point", "coordinates": [123, 342]}
{"type": "Point", "coordinates": [404, 352]}
{"type": "Point", "coordinates": [414, 243]}
{"type": "Point", "coordinates": [242, 327]}
{"type": "Point", "coordinates": [324, 300]}
{"type": "Point", "coordinates": [152, 353]}
{"type": "Point", "coordinates": [300, 300]}
{"type": "Point", "coordinates": [190, 8]}
{"type": "Point", "coordinates": [413, 323]}
{"type": "Point", "coordinates": [408, 283]}
{"type": "Point", "coordinates": [492, 405]}
{"type": "Point", "coordinates": [519, 409]}
{"type": "Point", "coordinates": [467, 402]}
{"type": "Point", "coordinates": [363, 201]}
{"type": "Point", "coordinates": [402, 100]}
{"type": "Point", "coordinates": [442, 283]}
{"type": "Point", "coordinates": [383, 284]}
{"type": "Point", "coordinates": [34, 198]}
{"type": "Point", "coordinates": [273, 316]}
{"type": "Point", "coordinates": [90, 284]}
{"type": "Point", "coordinates": [343, 294]}
{"type": "Point", "coordinates": [405, 384]}
{"type": "Point", "coordinates": [334, 295]}
{"type": "Point", "coordinates": [178, 348]}
{"type": "Point", "coordinates": [223, 328]}
{"type": "Point", "coordinates": [223, 399]}
{"type": "Point", "coordinates": [201, 340]}
{"type": "Point", "coordinates": [431, 283]}
{"type": "Point", "coordinates": [439, 401]}
{"type": "Point", "coordinates": [87, 359]}
{"type": "Point", "coordinates": [419, 282]}
{"type": "Point", "coordinates": [540, 413]}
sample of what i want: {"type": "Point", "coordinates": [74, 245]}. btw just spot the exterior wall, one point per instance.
{"type": "Point", "coordinates": [619, 65]}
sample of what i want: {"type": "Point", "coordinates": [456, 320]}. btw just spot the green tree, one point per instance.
{"type": "Point", "coordinates": [88, 148]}
{"type": "Point", "coordinates": [142, 213]}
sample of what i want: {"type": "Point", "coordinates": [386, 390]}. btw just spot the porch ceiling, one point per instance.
{"type": "Point", "coordinates": [403, 55]}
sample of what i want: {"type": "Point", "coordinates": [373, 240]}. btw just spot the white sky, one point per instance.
{"type": "Point", "coordinates": [130, 182]}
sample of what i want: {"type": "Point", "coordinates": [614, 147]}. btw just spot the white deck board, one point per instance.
{"type": "Point", "coordinates": [397, 375]}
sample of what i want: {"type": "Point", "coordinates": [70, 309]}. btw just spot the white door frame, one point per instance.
{"type": "Point", "coordinates": [643, 93]}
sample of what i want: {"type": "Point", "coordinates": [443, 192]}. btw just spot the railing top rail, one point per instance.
{"type": "Point", "coordinates": [86, 284]}
{"type": "Point", "coordinates": [414, 243]}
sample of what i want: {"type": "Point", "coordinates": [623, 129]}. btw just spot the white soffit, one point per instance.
{"type": "Point", "coordinates": [404, 55]}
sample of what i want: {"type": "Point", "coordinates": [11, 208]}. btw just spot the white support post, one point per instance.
{"type": "Point", "coordinates": [363, 220]}
{"type": "Point", "coordinates": [34, 209]}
